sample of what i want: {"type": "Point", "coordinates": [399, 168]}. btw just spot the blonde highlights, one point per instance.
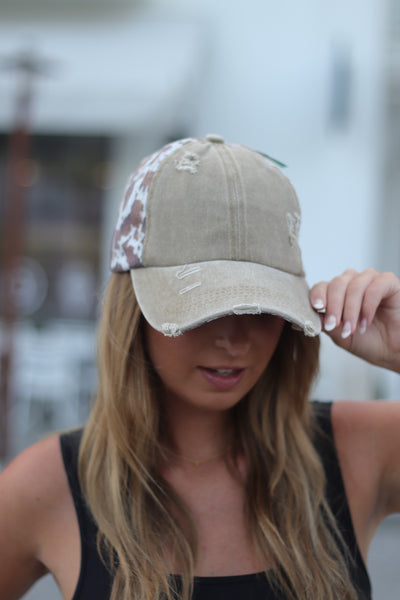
{"type": "Point", "coordinates": [136, 511]}
{"type": "Point", "coordinates": [289, 516]}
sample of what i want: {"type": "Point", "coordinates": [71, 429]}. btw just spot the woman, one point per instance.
{"type": "Point", "coordinates": [204, 471]}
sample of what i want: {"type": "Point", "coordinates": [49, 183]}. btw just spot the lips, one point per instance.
{"type": "Point", "coordinates": [223, 378]}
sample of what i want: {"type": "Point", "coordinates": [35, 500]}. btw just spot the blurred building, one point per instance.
{"type": "Point", "coordinates": [113, 82]}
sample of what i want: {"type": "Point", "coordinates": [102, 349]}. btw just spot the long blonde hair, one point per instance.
{"type": "Point", "coordinates": [138, 513]}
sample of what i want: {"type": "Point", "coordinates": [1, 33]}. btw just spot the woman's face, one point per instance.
{"type": "Point", "coordinates": [213, 366]}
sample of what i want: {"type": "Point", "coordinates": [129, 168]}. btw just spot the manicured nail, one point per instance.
{"type": "Point", "coordinates": [318, 304]}
{"type": "Point", "coordinates": [346, 331]}
{"type": "Point", "coordinates": [363, 326]}
{"type": "Point", "coordinates": [330, 323]}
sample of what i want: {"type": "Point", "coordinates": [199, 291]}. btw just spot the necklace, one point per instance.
{"type": "Point", "coordinates": [197, 463]}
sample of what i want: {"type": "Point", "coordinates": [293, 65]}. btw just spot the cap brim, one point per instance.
{"type": "Point", "coordinates": [175, 299]}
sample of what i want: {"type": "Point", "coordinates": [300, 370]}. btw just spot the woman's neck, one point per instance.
{"type": "Point", "coordinates": [196, 434]}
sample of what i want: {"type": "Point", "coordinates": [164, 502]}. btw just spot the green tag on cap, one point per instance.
{"type": "Point", "coordinates": [277, 162]}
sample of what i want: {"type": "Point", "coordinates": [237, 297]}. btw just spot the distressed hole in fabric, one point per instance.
{"type": "Point", "coordinates": [309, 329]}
{"type": "Point", "coordinates": [189, 288]}
{"type": "Point", "coordinates": [187, 270]}
{"type": "Point", "coordinates": [293, 222]}
{"type": "Point", "coordinates": [189, 162]}
{"type": "Point", "coordinates": [246, 309]}
{"type": "Point", "coordinates": [171, 329]}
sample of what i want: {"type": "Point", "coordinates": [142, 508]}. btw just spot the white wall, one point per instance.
{"type": "Point", "coordinates": [105, 71]}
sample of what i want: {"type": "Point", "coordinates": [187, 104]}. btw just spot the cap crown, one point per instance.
{"type": "Point", "coordinates": [201, 200]}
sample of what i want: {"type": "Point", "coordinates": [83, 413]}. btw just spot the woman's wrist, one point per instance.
{"type": "Point", "coordinates": [392, 364]}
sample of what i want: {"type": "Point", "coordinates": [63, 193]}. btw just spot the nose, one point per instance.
{"type": "Point", "coordinates": [233, 335]}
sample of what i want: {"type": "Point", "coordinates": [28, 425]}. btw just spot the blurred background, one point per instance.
{"type": "Point", "coordinates": [89, 87]}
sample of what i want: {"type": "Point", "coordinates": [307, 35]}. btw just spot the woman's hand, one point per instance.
{"type": "Point", "coordinates": [361, 313]}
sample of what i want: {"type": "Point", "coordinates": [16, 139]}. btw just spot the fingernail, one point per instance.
{"type": "Point", "coordinates": [330, 323]}
{"type": "Point", "coordinates": [346, 331]}
{"type": "Point", "coordinates": [318, 304]}
{"type": "Point", "coordinates": [363, 326]}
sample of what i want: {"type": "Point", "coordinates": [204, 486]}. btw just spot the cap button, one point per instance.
{"type": "Point", "coordinates": [215, 138]}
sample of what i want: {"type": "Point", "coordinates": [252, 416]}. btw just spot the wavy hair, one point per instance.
{"type": "Point", "coordinates": [138, 514]}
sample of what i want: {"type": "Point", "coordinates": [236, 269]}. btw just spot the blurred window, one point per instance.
{"type": "Point", "coordinates": [65, 180]}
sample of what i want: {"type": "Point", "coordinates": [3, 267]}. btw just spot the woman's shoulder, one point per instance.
{"type": "Point", "coordinates": [36, 480]}
{"type": "Point", "coordinates": [358, 421]}
{"type": "Point", "coordinates": [34, 503]}
{"type": "Point", "coordinates": [367, 434]}
{"type": "Point", "coordinates": [368, 445]}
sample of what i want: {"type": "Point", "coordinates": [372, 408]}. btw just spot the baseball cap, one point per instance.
{"type": "Point", "coordinates": [207, 229]}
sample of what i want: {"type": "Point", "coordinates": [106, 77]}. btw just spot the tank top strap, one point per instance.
{"type": "Point", "coordinates": [95, 580]}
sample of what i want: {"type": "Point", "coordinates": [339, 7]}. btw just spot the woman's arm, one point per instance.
{"type": "Point", "coordinates": [27, 500]}
{"type": "Point", "coordinates": [361, 313]}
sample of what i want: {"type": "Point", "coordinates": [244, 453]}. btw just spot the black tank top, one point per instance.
{"type": "Point", "coordinates": [95, 581]}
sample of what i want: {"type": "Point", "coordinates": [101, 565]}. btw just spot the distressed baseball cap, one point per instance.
{"type": "Point", "coordinates": [208, 229]}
